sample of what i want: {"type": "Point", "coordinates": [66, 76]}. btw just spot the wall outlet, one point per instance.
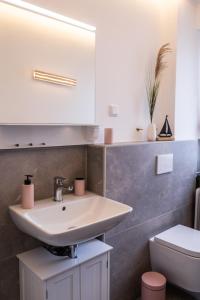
{"type": "Point", "coordinates": [164, 163]}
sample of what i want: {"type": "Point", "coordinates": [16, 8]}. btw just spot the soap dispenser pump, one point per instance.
{"type": "Point", "coordinates": [28, 193]}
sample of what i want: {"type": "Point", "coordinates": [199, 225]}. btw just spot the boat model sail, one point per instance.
{"type": "Point", "coordinates": [166, 130]}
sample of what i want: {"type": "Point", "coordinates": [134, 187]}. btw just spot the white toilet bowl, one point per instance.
{"type": "Point", "coordinates": [176, 254]}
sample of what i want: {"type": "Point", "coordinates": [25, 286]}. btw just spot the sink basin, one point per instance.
{"type": "Point", "coordinates": [71, 221]}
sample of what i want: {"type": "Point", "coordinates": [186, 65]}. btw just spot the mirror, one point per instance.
{"type": "Point", "coordinates": [47, 70]}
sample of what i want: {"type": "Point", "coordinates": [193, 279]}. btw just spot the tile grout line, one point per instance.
{"type": "Point", "coordinates": [86, 165]}
{"type": "Point", "coordinates": [104, 171]}
{"type": "Point", "coordinates": [149, 220]}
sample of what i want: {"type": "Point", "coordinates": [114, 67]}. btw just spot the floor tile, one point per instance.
{"type": "Point", "coordinates": [173, 293]}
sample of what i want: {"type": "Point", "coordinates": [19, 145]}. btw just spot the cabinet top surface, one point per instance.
{"type": "Point", "coordinates": [46, 265]}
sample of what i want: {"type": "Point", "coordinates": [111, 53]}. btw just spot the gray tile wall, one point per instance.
{"type": "Point", "coordinates": [198, 165]}
{"type": "Point", "coordinates": [158, 201]}
{"type": "Point", "coordinates": [95, 169]}
{"type": "Point", "coordinates": [44, 164]}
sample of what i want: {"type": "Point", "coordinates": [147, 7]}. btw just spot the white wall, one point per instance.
{"type": "Point", "coordinates": [198, 80]}
{"type": "Point", "coordinates": [128, 36]}
{"type": "Point", "coordinates": [186, 101]}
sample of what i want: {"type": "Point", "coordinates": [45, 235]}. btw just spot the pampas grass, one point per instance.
{"type": "Point", "coordinates": [153, 84]}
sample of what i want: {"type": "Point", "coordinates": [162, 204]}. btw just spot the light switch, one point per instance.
{"type": "Point", "coordinates": [113, 110]}
{"type": "Point", "coordinates": [164, 163]}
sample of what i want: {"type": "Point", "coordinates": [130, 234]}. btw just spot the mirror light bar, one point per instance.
{"type": "Point", "coordinates": [48, 13]}
{"type": "Point", "coordinates": [52, 78]}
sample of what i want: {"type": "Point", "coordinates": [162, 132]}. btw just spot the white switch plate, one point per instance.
{"type": "Point", "coordinates": [113, 110]}
{"type": "Point", "coordinates": [164, 163]}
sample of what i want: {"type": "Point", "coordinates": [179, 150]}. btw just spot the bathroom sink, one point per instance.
{"type": "Point", "coordinates": [71, 221]}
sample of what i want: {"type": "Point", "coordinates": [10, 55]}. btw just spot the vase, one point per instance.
{"type": "Point", "coordinates": [151, 132]}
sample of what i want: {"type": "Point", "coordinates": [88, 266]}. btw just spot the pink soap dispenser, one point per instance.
{"type": "Point", "coordinates": [28, 193]}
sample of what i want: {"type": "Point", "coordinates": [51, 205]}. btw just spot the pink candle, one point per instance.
{"type": "Point", "coordinates": [79, 186]}
{"type": "Point", "coordinates": [108, 135]}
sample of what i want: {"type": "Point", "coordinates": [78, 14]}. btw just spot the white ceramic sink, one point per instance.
{"type": "Point", "coordinates": [74, 220]}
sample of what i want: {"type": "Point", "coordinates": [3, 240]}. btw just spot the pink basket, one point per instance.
{"type": "Point", "coordinates": [153, 286]}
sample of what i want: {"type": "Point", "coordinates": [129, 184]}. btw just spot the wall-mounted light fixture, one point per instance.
{"type": "Point", "coordinates": [52, 78]}
{"type": "Point", "coordinates": [48, 13]}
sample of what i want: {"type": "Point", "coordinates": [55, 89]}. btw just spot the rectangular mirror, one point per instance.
{"type": "Point", "coordinates": [47, 70]}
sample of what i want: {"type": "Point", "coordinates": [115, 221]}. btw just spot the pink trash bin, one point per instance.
{"type": "Point", "coordinates": [153, 286]}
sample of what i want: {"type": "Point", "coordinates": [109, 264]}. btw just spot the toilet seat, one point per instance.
{"type": "Point", "coordinates": [181, 238]}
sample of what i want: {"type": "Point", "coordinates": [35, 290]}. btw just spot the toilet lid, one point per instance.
{"type": "Point", "coordinates": [181, 238]}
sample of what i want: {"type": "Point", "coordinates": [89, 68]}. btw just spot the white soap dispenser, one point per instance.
{"type": "Point", "coordinates": [28, 193]}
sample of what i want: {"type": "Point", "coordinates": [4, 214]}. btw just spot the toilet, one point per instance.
{"type": "Point", "coordinates": [176, 254]}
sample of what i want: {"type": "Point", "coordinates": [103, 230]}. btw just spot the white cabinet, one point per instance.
{"type": "Point", "coordinates": [51, 47]}
{"type": "Point", "coordinates": [45, 276]}
{"type": "Point", "coordinates": [65, 286]}
{"type": "Point", "coordinates": [95, 279]}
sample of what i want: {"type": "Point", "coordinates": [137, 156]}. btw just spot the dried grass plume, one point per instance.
{"type": "Point", "coordinates": [153, 84]}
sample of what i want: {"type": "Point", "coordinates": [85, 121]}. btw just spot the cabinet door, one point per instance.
{"type": "Point", "coordinates": [95, 279]}
{"type": "Point", "coordinates": [62, 50]}
{"type": "Point", "coordinates": [65, 286]}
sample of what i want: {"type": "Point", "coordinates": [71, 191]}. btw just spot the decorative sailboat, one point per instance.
{"type": "Point", "coordinates": [165, 133]}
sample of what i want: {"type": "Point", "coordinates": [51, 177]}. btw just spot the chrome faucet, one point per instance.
{"type": "Point", "coordinates": [59, 186]}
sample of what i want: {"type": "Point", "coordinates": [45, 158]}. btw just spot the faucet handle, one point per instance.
{"type": "Point", "coordinates": [59, 180]}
